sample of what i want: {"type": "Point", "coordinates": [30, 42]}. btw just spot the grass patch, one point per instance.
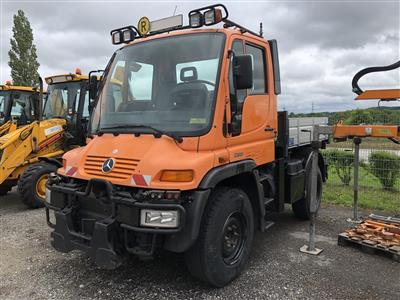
{"type": "Point", "coordinates": [371, 194]}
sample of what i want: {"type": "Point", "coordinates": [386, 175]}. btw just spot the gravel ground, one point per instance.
{"type": "Point", "coordinates": [31, 269]}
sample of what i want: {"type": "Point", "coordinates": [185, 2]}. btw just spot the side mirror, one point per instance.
{"type": "Point", "coordinates": [92, 87]}
{"type": "Point", "coordinates": [243, 71]}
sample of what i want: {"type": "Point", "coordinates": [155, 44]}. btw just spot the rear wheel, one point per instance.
{"type": "Point", "coordinates": [226, 235]}
{"type": "Point", "coordinates": [301, 208]}
{"type": "Point", "coordinates": [32, 184]}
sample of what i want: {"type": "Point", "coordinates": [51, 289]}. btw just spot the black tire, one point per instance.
{"type": "Point", "coordinates": [5, 188]}
{"type": "Point", "coordinates": [28, 181]}
{"type": "Point", "coordinates": [301, 208]}
{"type": "Point", "coordinates": [224, 242]}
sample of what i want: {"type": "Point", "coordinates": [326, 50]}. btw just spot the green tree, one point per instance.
{"type": "Point", "coordinates": [359, 116]}
{"type": "Point", "coordinates": [22, 55]}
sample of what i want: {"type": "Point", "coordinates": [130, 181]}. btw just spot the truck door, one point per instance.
{"type": "Point", "coordinates": [253, 121]}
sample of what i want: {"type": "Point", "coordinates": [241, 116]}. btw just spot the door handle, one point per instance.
{"type": "Point", "coordinates": [269, 129]}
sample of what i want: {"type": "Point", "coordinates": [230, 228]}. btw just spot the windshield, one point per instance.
{"type": "Point", "coordinates": [169, 84]}
{"type": "Point", "coordinates": [63, 100]}
{"type": "Point", "coordinates": [21, 106]}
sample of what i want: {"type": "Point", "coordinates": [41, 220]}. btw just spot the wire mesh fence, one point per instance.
{"type": "Point", "coordinates": [371, 116]}
{"type": "Point", "coordinates": [379, 174]}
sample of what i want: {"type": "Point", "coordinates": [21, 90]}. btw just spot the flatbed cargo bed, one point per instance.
{"type": "Point", "coordinates": [301, 130]}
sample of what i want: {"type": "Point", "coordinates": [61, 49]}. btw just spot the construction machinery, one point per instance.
{"type": "Point", "coordinates": [189, 153]}
{"type": "Point", "coordinates": [30, 153]}
{"type": "Point", "coordinates": [390, 131]}
{"type": "Point", "coordinates": [19, 105]}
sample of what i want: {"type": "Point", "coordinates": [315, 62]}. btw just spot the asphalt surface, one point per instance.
{"type": "Point", "coordinates": [31, 269]}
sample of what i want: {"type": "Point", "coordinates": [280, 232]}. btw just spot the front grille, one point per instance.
{"type": "Point", "coordinates": [123, 169]}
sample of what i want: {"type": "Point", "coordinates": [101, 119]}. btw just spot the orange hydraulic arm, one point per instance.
{"type": "Point", "coordinates": [392, 132]}
{"type": "Point", "coordinates": [341, 131]}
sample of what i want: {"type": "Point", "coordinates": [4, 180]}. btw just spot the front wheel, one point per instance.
{"type": "Point", "coordinates": [32, 184]}
{"type": "Point", "coordinates": [226, 235]}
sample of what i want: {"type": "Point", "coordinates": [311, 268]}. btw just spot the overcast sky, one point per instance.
{"type": "Point", "coordinates": [322, 44]}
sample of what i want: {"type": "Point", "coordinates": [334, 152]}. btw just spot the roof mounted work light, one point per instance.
{"type": "Point", "coordinates": [123, 35]}
{"type": "Point", "coordinates": [212, 16]}
{"type": "Point", "coordinates": [196, 19]}
{"type": "Point", "coordinates": [208, 15]}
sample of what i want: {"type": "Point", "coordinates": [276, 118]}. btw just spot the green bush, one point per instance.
{"type": "Point", "coordinates": [342, 162]}
{"type": "Point", "coordinates": [385, 167]}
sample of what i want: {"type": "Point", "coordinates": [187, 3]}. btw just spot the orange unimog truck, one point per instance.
{"type": "Point", "coordinates": [188, 151]}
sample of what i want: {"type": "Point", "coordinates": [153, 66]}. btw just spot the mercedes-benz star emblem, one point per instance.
{"type": "Point", "coordinates": [108, 165]}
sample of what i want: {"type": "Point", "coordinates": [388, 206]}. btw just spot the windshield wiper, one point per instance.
{"type": "Point", "coordinates": [157, 132]}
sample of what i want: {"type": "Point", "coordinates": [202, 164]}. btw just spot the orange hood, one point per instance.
{"type": "Point", "coordinates": [137, 161]}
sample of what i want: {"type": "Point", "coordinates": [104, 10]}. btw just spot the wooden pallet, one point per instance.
{"type": "Point", "coordinates": [344, 240]}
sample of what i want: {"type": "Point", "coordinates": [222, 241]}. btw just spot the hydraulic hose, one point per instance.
{"type": "Point", "coordinates": [359, 74]}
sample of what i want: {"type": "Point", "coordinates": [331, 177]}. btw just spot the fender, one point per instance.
{"type": "Point", "coordinates": [52, 161]}
{"type": "Point", "coordinates": [216, 175]}
{"type": "Point", "coordinates": [183, 240]}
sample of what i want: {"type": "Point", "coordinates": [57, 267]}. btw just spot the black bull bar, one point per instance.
{"type": "Point", "coordinates": [100, 244]}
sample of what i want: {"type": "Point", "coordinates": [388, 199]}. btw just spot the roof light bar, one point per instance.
{"type": "Point", "coordinates": [208, 16]}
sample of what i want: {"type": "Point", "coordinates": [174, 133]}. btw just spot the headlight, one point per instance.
{"type": "Point", "coordinates": [159, 218]}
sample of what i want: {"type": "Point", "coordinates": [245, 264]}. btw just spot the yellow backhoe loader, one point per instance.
{"type": "Point", "coordinates": [30, 153]}
{"type": "Point", "coordinates": [19, 105]}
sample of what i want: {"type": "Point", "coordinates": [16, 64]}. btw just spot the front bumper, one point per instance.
{"type": "Point", "coordinates": [107, 226]}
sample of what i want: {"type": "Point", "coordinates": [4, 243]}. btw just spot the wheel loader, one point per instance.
{"type": "Point", "coordinates": [30, 153]}
{"type": "Point", "coordinates": [19, 105]}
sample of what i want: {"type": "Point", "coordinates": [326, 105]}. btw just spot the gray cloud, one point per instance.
{"type": "Point", "coordinates": [322, 44]}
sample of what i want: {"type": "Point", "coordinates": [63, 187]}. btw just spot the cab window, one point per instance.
{"type": "Point", "coordinates": [258, 55]}
{"type": "Point", "coordinates": [22, 107]}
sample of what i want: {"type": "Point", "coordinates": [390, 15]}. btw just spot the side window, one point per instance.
{"type": "Point", "coordinates": [237, 48]}
{"type": "Point", "coordinates": [85, 112]}
{"type": "Point", "coordinates": [2, 108]}
{"type": "Point", "coordinates": [259, 83]}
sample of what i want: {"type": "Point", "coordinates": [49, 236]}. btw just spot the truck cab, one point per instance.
{"type": "Point", "coordinates": [188, 152]}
